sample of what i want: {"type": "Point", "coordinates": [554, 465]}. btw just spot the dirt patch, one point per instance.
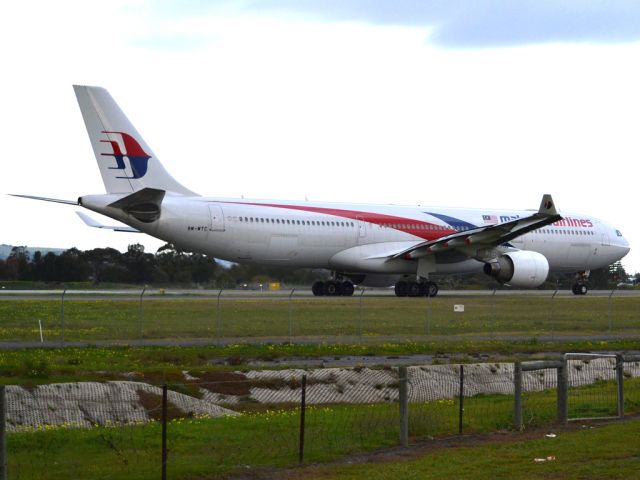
{"type": "Point", "coordinates": [152, 403]}
{"type": "Point", "coordinates": [226, 383]}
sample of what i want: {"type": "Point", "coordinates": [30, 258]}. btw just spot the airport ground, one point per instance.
{"type": "Point", "coordinates": [494, 326]}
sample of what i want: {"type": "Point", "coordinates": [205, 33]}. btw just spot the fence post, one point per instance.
{"type": "Point", "coordinates": [403, 398]}
{"type": "Point", "coordinates": [141, 312]}
{"type": "Point", "coordinates": [620, 375]}
{"type": "Point", "coordinates": [461, 399]}
{"type": "Point", "coordinates": [609, 307]}
{"type": "Point", "coordinates": [360, 317]}
{"type": "Point", "coordinates": [62, 318]}
{"type": "Point", "coordinates": [563, 392]}
{"type": "Point", "coordinates": [428, 326]}
{"type": "Point", "coordinates": [164, 432]}
{"type": "Point", "coordinates": [3, 433]}
{"type": "Point", "coordinates": [218, 320]}
{"type": "Point", "coordinates": [303, 407]}
{"type": "Point", "coordinates": [493, 314]}
{"type": "Point", "coordinates": [290, 316]}
{"type": "Point", "coordinates": [517, 387]}
{"type": "Point", "coordinates": [551, 312]}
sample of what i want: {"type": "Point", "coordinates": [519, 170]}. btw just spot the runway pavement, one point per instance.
{"type": "Point", "coordinates": [158, 293]}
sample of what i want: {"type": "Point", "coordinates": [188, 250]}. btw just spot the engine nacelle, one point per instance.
{"type": "Point", "coordinates": [520, 269]}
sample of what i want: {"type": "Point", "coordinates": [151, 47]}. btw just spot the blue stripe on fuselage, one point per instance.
{"type": "Point", "coordinates": [456, 223]}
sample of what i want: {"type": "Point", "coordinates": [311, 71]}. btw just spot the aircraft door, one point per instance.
{"type": "Point", "coordinates": [362, 228]}
{"type": "Point", "coordinates": [217, 218]}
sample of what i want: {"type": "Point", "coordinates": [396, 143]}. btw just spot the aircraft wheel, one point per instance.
{"type": "Point", "coordinates": [347, 289]}
{"type": "Point", "coordinates": [432, 289]}
{"type": "Point", "coordinates": [332, 288]}
{"type": "Point", "coordinates": [401, 288]}
{"type": "Point", "coordinates": [414, 289]}
{"type": "Point", "coordinates": [579, 289]}
{"type": "Point", "coordinates": [318, 288]}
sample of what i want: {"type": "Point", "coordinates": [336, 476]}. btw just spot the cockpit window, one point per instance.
{"type": "Point", "coordinates": [618, 233]}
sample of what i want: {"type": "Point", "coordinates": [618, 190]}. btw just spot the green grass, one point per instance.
{"type": "Point", "coordinates": [200, 447]}
{"type": "Point", "coordinates": [609, 451]}
{"type": "Point", "coordinates": [329, 318]}
{"type": "Point", "coordinates": [210, 448]}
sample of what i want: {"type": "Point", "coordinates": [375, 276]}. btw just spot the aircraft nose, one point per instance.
{"type": "Point", "coordinates": [621, 246]}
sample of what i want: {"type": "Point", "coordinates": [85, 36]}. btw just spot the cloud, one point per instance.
{"type": "Point", "coordinates": [464, 24]}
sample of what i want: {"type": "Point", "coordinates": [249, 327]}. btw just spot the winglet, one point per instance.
{"type": "Point", "coordinates": [547, 206]}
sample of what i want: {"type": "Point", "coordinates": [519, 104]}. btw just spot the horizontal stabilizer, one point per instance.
{"type": "Point", "coordinates": [46, 199]}
{"type": "Point", "coordinates": [91, 222]}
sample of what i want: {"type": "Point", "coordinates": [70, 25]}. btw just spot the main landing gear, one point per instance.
{"type": "Point", "coordinates": [333, 288]}
{"type": "Point", "coordinates": [404, 288]}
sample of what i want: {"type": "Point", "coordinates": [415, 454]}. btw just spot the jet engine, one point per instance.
{"type": "Point", "coordinates": [520, 269]}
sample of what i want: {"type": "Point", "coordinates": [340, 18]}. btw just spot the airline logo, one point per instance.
{"type": "Point", "coordinates": [137, 157]}
{"type": "Point", "coordinates": [574, 222]}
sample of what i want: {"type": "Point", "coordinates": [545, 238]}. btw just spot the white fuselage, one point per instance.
{"type": "Point", "coordinates": [355, 237]}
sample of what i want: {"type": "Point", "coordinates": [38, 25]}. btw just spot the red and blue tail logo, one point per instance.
{"type": "Point", "coordinates": [138, 158]}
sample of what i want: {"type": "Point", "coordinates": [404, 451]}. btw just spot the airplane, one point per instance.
{"type": "Point", "coordinates": [362, 244]}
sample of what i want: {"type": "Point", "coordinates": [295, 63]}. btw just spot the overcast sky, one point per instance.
{"type": "Point", "coordinates": [440, 103]}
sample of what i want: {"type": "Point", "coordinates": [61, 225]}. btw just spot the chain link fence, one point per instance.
{"type": "Point", "coordinates": [149, 316]}
{"type": "Point", "coordinates": [221, 423]}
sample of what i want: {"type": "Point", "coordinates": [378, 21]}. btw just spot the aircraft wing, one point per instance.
{"type": "Point", "coordinates": [489, 236]}
{"type": "Point", "coordinates": [91, 222]}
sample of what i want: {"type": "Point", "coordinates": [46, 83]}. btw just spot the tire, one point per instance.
{"type": "Point", "coordinates": [318, 288]}
{"type": "Point", "coordinates": [579, 289]}
{"type": "Point", "coordinates": [413, 289]}
{"type": "Point", "coordinates": [401, 288]}
{"type": "Point", "coordinates": [332, 288]}
{"type": "Point", "coordinates": [432, 289]}
{"type": "Point", "coordinates": [347, 289]}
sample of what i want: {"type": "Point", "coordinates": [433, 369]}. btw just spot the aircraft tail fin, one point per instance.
{"type": "Point", "coordinates": [126, 162]}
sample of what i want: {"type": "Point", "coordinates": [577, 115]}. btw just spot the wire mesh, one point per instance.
{"type": "Point", "coordinates": [223, 422]}
{"type": "Point", "coordinates": [435, 399]}
{"type": "Point", "coordinates": [153, 317]}
{"type": "Point", "coordinates": [631, 376]}
{"type": "Point", "coordinates": [592, 388]}
{"type": "Point", "coordinates": [539, 397]}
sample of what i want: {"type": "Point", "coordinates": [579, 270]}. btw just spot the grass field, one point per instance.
{"type": "Point", "coordinates": [325, 318]}
{"type": "Point", "coordinates": [591, 453]}
{"type": "Point", "coordinates": [210, 448]}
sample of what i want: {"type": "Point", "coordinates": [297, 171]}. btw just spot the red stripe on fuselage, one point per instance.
{"type": "Point", "coordinates": [411, 226]}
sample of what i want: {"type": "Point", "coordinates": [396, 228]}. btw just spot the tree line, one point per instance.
{"type": "Point", "coordinates": [171, 266]}
{"type": "Point", "coordinates": [167, 266]}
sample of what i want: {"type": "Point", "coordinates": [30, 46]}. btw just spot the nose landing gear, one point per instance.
{"type": "Point", "coordinates": [580, 288]}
